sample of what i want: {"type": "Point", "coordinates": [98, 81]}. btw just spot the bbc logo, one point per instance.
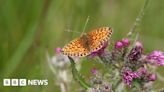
{"type": "Point", "coordinates": [14, 82]}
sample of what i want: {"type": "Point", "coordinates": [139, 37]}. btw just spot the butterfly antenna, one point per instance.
{"type": "Point", "coordinates": [86, 22]}
{"type": "Point", "coordinates": [69, 30]}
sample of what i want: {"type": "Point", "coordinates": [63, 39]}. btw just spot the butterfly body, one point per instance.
{"type": "Point", "coordinates": [88, 42]}
{"type": "Point", "coordinates": [85, 41]}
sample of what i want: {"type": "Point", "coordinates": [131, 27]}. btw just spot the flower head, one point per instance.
{"type": "Point", "coordinates": [152, 77]}
{"type": "Point", "coordinates": [125, 42]}
{"type": "Point", "coordinates": [127, 78]}
{"type": "Point", "coordinates": [118, 45]}
{"type": "Point", "coordinates": [136, 52]}
{"type": "Point", "coordinates": [156, 58]}
{"type": "Point", "coordinates": [99, 51]}
{"type": "Point", "coordinates": [58, 50]}
{"type": "Point", "coordinates": [139, 44]}
{"type": "Point", "coordinates": [94, 71]}
{"type": "Point", "coordinates": [142, 71]}
{"type": "Point", "coordinates": [129, 75]}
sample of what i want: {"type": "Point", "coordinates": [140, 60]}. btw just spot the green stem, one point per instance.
{"type": "Point", "coordinates": [116, 85]}
{"type": "Point", "coordinates": [77, 76]}
{"type": "Point", "coordinates": [138, 19]}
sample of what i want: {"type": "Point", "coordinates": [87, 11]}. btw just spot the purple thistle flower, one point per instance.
{"type": "Point", "coordinates": [135, 75]}
{"type": "Point", "coordinates": [139, 44]}
{"type": "Point", "coordinates": [127, 80]}
{"type": "Point", "coordinates": [119, 45]}
{"type": "Point", "coordinates": [156, 58]}
{"type": "Point", "coordinates": [129, 75]}
{"type": "Point", "coordinates": [94, 71]}
{"type": "Point", "coordinates": [103, 54]}
{"type": "Point", "coordinates": [99, 51]}
{"type": "Point", "coordinates": [152, 77]}
{"type": "Point", "coordinates": [58, 50]}
{"type": "Point", "coordinates": [136, 52]}
{"type": "Point", "coordinates": [125, 42]}
{"type": "Point", "coordinates": [146, 75]}
{"type": "Point", "coordinates": [142, 71]}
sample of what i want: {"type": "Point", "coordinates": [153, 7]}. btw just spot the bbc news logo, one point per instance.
{"type": "Point", "coordinates": [24, 82]}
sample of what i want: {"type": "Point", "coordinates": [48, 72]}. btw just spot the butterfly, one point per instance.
{"type": "Point", "coordinates": [88, 42]}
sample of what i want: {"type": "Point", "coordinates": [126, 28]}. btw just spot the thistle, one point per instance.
{"type": "Point", "coordinates": [127, 66]}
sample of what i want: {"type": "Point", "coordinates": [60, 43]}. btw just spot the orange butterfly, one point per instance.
{"type": "Point", "coordinates": [88, 42]}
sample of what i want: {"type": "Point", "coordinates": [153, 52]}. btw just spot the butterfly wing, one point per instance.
{"type": "Point", "coordinates": [97, 37]}
{"type": "Point", "coordinates": [76, 48]}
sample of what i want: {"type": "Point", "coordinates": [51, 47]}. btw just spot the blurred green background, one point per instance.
{"type": "Point", "coordinates": [29, 27]}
